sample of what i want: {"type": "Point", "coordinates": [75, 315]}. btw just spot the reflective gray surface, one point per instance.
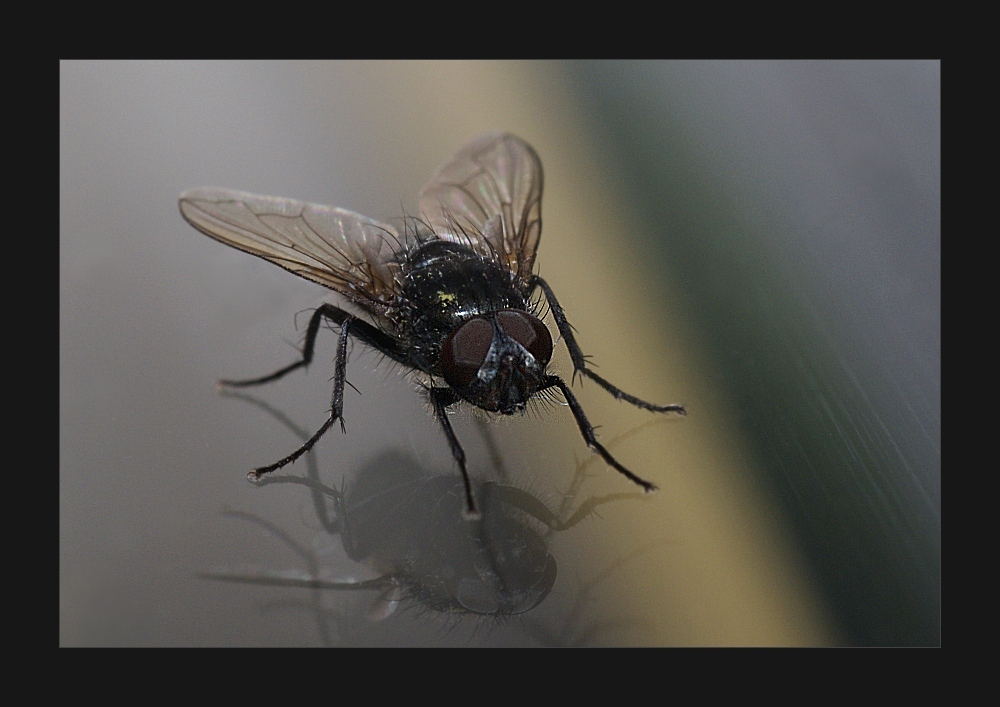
{"type": "Point", "coordinates": [152, 313]}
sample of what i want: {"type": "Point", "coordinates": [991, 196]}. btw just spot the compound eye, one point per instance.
{"type": "Point", "coordinates": [464, 351]}
{"type": "Point", "coordinates": [529, 332]}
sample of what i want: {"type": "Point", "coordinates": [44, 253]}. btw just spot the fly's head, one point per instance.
{"type": "Point", "coordinates": [497, 363]}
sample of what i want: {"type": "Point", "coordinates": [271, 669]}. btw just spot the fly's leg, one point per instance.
{"type": "Point", "coordinates": [580, 363]}
{"type": "Point", "coordinates": [336, 406]}
{"type": "Point", "coordinates": [361, 329]}
{"type": "Point", "coordinates": [349, 326]}
{"type": "Point", "coordinates": [587, 430]}
{"type": "Point", "coordinates": [320, 492]}
{"type": "Point", "coordinates": [441, 399]}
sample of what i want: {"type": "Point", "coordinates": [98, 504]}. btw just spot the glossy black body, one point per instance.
{"type": "Point", "coordinates": [446, 285]}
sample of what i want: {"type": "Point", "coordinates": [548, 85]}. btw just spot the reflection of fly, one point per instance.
{"type": "Point", "coordinates": [452, 299]}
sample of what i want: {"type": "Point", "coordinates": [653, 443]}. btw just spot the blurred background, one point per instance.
{"type": "Point", "coordinates": [759, 241]}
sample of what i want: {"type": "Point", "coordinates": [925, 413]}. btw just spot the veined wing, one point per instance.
{"type": "Point", "coordinates": [489, 196]}
{"type": "Point", "coordinates": [337, 248]}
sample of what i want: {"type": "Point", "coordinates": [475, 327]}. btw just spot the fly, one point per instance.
{"type": "Point", "coordinates": [452, 299]}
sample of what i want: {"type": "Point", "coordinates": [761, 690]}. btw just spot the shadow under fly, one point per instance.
{"type": "Point", "coordinates": [403, 525]}
{"type": "Point", "coordinates": [453, 299]}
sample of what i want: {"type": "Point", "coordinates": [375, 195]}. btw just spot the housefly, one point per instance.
{"type": "Point", "coordinates": [451, 298]}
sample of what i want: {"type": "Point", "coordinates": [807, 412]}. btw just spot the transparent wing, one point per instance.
{"type": "Point", "coordinates": [489, 196]}
{"type": "Point", "coordinates": [342, 250]}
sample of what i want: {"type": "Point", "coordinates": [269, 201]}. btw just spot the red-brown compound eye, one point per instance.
{"type": "Point", "coordinates": [464, 351]}
{"type": "Point", "coordinates": [529, 332]}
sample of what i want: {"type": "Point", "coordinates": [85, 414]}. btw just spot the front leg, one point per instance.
{"type": "Point", "coordinates": [441, 399]}
{"type": "Point", "coordinates": [580, 363]}
{"type": "Point", "coordinates": [587, 430]}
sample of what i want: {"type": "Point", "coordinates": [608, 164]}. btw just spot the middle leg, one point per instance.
{"type": "Point", "coordinates": [587, 430]}
{"type": "Point", "coordinates": [361, 329]}
{"type": "Point", "coordinates": [336, 407]}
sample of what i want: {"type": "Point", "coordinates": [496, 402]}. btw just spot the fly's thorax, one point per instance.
{"type": "Point", "coordinates": [455, 282]}
{"type": "Point", "coordinates": [445, 285]}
